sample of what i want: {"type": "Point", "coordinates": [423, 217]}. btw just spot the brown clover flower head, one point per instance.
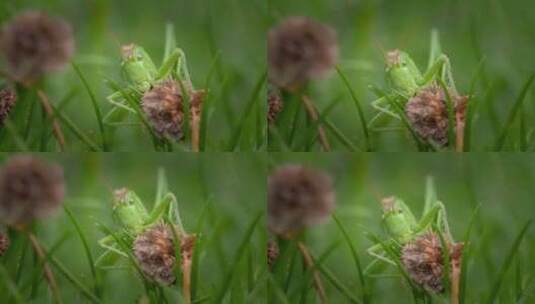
{"type": "Point", "coordinates": [8, 97]}
{"type": "Point", "coordinates": [34, 43]}
{"type": "Point", "coordinates": [298, 197]}
{"type": "Point", "coordinates": [163, 105]}
{"type": "Point", "coordinates": [428, 115]}
{"type": "Point", "coordinates": [272, 252]}
{"type": "Point", "coordinates": [422, 258]}
{"type": "Point", "coordinates": [29, 189]}
{"type": "Point", "coordinates": [275, 105]}
{"type": "Point", "coordinates": [300, 49]}
{"type": "Point", "coordinates": [4, 242]}
{"type": "Point", "coordinates": [155, 254]}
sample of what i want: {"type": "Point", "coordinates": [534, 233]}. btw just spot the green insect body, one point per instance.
{"type": "Point", "coordinates": [398, 226]}
{"type": "Point", "coordinates": [405, 79]}
{"type": "Point", "coordinates": [138, 67]}
{"type": "Point", "coordinates": [129, 211]}
{"type": "Point", "coordinates": [133, 218]}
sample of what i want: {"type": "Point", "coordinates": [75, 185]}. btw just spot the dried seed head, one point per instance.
{"type": "Point", "coordinates": [428, 115]}
{"type": "Point", "coordinates": [29, 189]}
{"type": "Point", "coordinates": [422, 259]}
{"type": "Point", "coordinates": [155, 254]}
{"type": "Point", "coordinates": [274, 105]}
{"type": "Point", "coordinates": [35, 43]}
{"type": "Point", "coordinates": [298, 197]}
{"type": "Point", "coordinates": [272, 252]}
{"type": "Point", "coordinates": [163, 105]}
{"type": "Point", "coordinates": [4, 242]}
{"type": "Point", "coordinates": [7, 101]}
{"type": "Point", "coordinates": [300, 49]}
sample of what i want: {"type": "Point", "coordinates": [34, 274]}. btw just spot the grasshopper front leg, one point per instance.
{"type": "Point", "coordinates": [108, 243]}
{"type": "Point", "coordinates": [383, 106]}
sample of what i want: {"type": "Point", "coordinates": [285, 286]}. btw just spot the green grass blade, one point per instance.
{"type": "Point", "coordinates": [512, 115]}
{"type": "Point", "coordinates": [358, 105]}
{"type": "Point", "coordinates": [220, 295]}
{"type": "Point", "coordinates": [338, 285]}
{"type": "Point", "coordinates": [471, 106]}
{"type": "Point", "coordinates": [95, 106]}
{"type": "Point", "coordinates": [10, 285]}
{"type": "Point", "coordinates": [451, 112]}
{"type": "Point", "coordinates": [75, 130]}
{"type": "Point", "coordinates": [495, 288]}
{"type": "Point", "coordinates": [77, 283]}
{"type": "Point", "coordinates": [356, 259]}
{"type": "Point", "coordinates": [235, 138]}
{"type": "Point", "coordinates": [340, 136]}
{"type": "Point", "coordinates": [86, 249]}
{"type": "Point", "coordinates": [466, 256]}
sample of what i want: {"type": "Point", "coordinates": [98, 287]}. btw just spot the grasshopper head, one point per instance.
{"type": "Point", "coordinates": [402, 72]}
{"type": "Point", "coordinates": [398, 224]}
{"type": "Point", "coordinates": [128, 210]}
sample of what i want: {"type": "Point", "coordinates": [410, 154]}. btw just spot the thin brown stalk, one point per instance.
{"type": "Point", "coordinates": [49, 275]}
{"type": "Point", "coordinates": [58, 133]}
{"type": "Point", "coordinates": [456, 260]}
{"type": "Point", "coordinates": [187, 246]}
{"type": "Point", "coordinates": [309, 262]}
{"type": "Point", "coordinates": [196, 113]}
{"type": "Point", "coordinates": [313, 113]}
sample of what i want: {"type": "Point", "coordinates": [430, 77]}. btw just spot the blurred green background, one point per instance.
{"type": "Point", "coordinates": [223, 41]}
{"type": "Point", "coordinates": [219, 196]}
{"type": "Point", "coordinates": [500, 31]}
{"type": "Point", "coordinates": [501, 183]}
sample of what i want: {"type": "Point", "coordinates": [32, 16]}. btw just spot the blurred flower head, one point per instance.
{"type": "Point", "coordinates": [275, 105]}
{"type": "Point", "coordinates": [272, 252]}
{"type": "Point", "coordinates": [428, 115]}
{"type": "Point", "coordinates": [8, 98]}
{"type": "Point", "coordinates": [298, 197]}
{"type": "Point", "coordinates": [155, 254]}
{"type": "Point", "coordinates": [300, 49]}
{"type": "Point", "coordinates": [4, 242]}
{"type": "Point", "coordinates": [29, 189]}
{"type": "Point", "coordinates": [34, 43]}
{"type": "Point", "coordinates": [422, 259]}
{"type": "Point", "coordinates": [164, 107]}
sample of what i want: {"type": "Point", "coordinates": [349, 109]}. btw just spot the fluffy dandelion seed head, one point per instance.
{"type": "Point", "coordinates": [29, 189]}
{"type": "Point", "coordinates": [298, 197]}
{"type": "Point", "coordinates": [300, 49]}
{"type": "Point", "coordinates": [155, 254]}
{"type": "Point", "coordinates": [34, 43]}
{"type": "Point", "coordinates": [8, 98]}
{"type": "Point", "coordinates": [163, 106]}
{"type": "Point", "coordinates": [428, 115]}
{"type": "Point", "coordinates": [422, 259]}
{"type": "Point", "coordinates": [4, 242]}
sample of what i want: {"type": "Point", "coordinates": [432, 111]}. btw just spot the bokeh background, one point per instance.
{"type": "Point", "coordinates": [223, 41]}
{"type": "Point", "coordinates": [501, 32]}
{"type": "Point", "coordinates": [219, 196]}
{"type": "Point", "coordinates": [501, 184]}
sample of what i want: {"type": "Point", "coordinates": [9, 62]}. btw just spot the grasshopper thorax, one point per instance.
{"type": "Point", "coordinates": [129, 211]}
{"type": "Point", "coordinates": [402, 73]}
{"type": "Point", "coordinates": [138, 67]}
{"type": "Point", "coordinates": [396, 223]}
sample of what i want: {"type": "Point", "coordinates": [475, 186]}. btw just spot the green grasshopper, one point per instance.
{"type": "Point", "coordinates": [133, 217]}
{"type": "Point", "coordinates": [405, 80]}
{"type": "Point", "coordinates": [401, 225]}
{"type": "Point", "coordinates": [140, 73]}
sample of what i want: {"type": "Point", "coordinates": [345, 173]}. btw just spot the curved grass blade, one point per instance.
{"type": "Point", "coordinates": [495, 288]}
{"type": "Point", "coordinates": [95, 106]}
{"type": "Point", "coordinates": [356, 259]}
{"type": "Point", "coordinates": [466, 256]}
{"type": "Point", "coordinates": [471, 106]}
{"type": "Point", "coordinates": [514, 111]}
{"type": "Point", "coordinates": [69, 276]}
{"type": "Point", "coordinates": [220, 295]}
{"type": "Point", "coordinates": [235, 138]}
{"type": "Point", "coordinates": [359, 109]}
{"type": "Point", "coordinates": [10, 285]}
{"type": "Point", "coordinates": [75, 130]}
{"type": "Point", "coordinates": [86, 249]}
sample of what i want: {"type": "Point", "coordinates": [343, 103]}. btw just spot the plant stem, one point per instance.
{"type": "Point", "coordinates": [49, 275]}
{"type": "Point", "coordinates": [456, 262]}
{"type": "Point", "coordinates": [313, 113]}
{"type": "Point", "coordinates": [196, 114]}
{"type": "Point", "coordinates": [58, 133]}
{"type": "Point", "coordinates": [309, 262]}
{"type": "Point", "coordinates": [186, 249]}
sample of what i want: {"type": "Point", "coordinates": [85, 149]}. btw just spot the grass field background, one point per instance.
{"type": "Point", "coordinates": [225, 47]}
{"type": "Point", "coordinates": [500, 184]}
{"type": "Point", "coordinates": [489, 43]}
{"type": "Point", "coordinates": [212, 202]}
